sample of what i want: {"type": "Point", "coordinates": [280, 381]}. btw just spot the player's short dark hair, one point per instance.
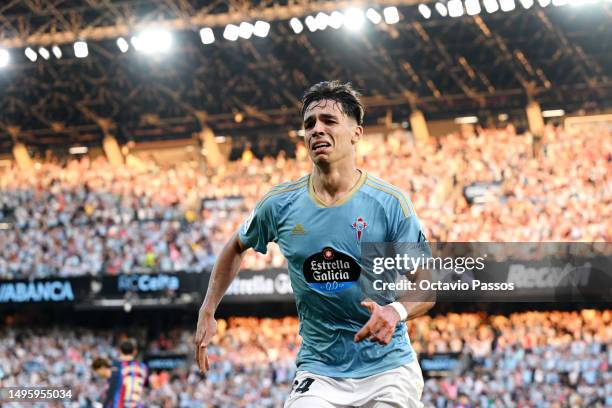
{"type": "Point", "coordinates": [128, 346]}
{"type": "Point", "coordinates": [99, 363]}
{"type": "Point", "coordinates": [344, 94]}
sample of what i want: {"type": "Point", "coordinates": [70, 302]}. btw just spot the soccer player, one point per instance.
{"type": "Point", "coordinates": [126, 377]}
{"type": "Point", "coordinates": [354, 352]}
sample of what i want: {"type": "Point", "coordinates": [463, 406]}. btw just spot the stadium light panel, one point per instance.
{"type": "Point", "coordinates": [507, 5]}
{"type": "Point", "coordinates": [31, 54]}
{"type": "Point", "coordinates": [491, 6]}
{"type": "Point", "coordinates": [441, 9]}
{"type": "Point", "coordinates": [559, 3]}
{"type": "Point", "coordinates": [78, 150]}
{"type": "Point", "coordinates": [123, 44]}
{"type": "Point", "coordinates": [231, 32]}
{"type": "Point", "coordinates": [296, 25]}
{"type": "Point", "coordinates": [526, 4]}
{"type": "Point", "coordinates": [455, 8]}
{"type": "Point", "coordinates": [472, 7]}
{"type": "Point", "coordinates": [374, 16]}
{"type": "Point", "coordinates": [311, 23]}
{"type": "Point", "coordinates": [57, 51]}
{"type": "Point", "coordinates": [262, 28]}
{"type": "Point", "coordinates": [391, 15]}
{"type": "Point", "coordinates": [5, 57]}
{"type": "Point", "coordinates": [153, 41]}
{"type": "Point", "coordinates": [354, 19]}
{"type": "Point", "coordinates": [322, 20]}
{"type": "Point", "coordinates": [425, 11]}
{"type": "Point", "coordinates": [543, 3]}
{"type": "Point", "coordinates": [245, 30]}
{"type": "Point", "coordinates": [207, 36]}
{"type": "Point", "coordinates": [463, 120]}
{"type": "Point", "coordinates": [44, 53]}
{"type": "Point", "coordinates": [80, 49]}
{"type": "Point", "coordinates": [336, 20]}
{"type": "Point", "coordinates": [553, 113]}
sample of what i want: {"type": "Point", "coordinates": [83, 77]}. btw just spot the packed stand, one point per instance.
{"type": "Point", "coordinates": [528, 359]}
{"type": "Point", "coordinates": [252, 364]}
{"type": "Point", "coordinates": [534, 359]}
{"type": "Point", "coordinates": [89, 217]}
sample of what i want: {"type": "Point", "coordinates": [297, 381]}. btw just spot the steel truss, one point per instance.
{"type": "Point", "coordinates": [445, 67]}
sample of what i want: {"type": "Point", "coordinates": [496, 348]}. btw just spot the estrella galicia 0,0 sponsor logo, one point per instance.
{"type": "Point", "coordinates": [331, 270]}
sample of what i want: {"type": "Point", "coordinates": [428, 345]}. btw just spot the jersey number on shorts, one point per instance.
{"type": "Point", "coordinates": [304, 385]}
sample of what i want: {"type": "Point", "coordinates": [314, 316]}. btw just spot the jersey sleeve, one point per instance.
{"type": "Point", "coordinates": [408, 239]}
{"type": "Point", "coordinates": [260, 228]}
{"type": "Point", "coordinates": [405, 225]}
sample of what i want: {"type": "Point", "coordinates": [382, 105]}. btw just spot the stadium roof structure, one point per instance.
{"type": "Point", "coordinates": [473, 64]}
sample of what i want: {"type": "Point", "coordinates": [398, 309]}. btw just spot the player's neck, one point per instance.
{"type": "Point", "coordinates": [332, 183]}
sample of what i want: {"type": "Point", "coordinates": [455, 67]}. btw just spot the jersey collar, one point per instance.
{"type": "Point", "coordinates": [347, 196]}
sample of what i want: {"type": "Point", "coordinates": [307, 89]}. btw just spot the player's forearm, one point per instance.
{"type": "Point", "coordinates": [416, 309]}
{"type": "Point", "coordinates": [418, 302]}
{"type": "Point", "coordinates": [225, 270]}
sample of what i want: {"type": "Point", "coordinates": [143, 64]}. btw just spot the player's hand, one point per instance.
{"type": "Point", "coordinates": [381, 325]}
{"type": "Point", "coordinates": [207, 327]}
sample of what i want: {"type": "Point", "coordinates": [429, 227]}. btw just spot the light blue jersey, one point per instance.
{"type": "Point", "coordinates": [323, 247]}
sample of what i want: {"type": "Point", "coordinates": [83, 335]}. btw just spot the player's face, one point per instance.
{"type": "Point", "coordinates": [330, 134]}
{"type": "Point", "coordinates": [104, 372]}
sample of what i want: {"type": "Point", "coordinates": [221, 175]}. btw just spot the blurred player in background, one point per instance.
{"type": "Point", "coordinates": [354, 352]}
{"type": "Point", "coordinates": [127, 377]}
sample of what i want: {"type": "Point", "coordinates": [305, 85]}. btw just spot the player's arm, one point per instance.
{"type": "Point", "coordinates": [410, 304]}
{"type": "Point", "coordinates": [418, 303]}
{"type": "Point", "coordinates": [255, 232]}
{"type": "Point", "coordinates": [383, 320]}
{"type": "Point", "coordinates": [225, 270]}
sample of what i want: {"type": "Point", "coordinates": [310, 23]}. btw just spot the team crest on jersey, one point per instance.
{"type": "Point", "coordinates": [359, 226]}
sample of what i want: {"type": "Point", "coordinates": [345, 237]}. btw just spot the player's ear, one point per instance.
{"type": "Point", "coordinates": [357, 134]}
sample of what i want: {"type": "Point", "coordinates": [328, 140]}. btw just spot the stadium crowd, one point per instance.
{"type": "Point", "coordinates": [526, 359]}
{"type": "Point", "coordinates": [88, 217]}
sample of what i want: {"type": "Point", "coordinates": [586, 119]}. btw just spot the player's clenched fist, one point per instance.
{"type": "Point", "coordinates": [207, 327]}
{"type": "Point", "coordinates": [381, 325]}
